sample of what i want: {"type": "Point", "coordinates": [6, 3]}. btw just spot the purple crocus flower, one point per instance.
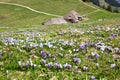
{"type": "Point", "coordinates": [107, 39]}
{"type": "Point", "coordinates": [116, 50]}
{"type": "Point", "coordinates": [96, 56]}
{"type": "Point", "coordinates": [86, 44]}
{"type": "Point", "coordinates": [43, 54]}
{"type": "Point", "coordinates": [88, 57]}
{"type": "Point", "coordinates": [9, 39]}
{"type": "Point", "coordinates": [56, 64]}
{"type": "Point", "coordinates": [27, 64]}
{"type": "Point", "coordinates": [94, 44]}
{"type": "Point", "coordinates": [68, 66]}
{"type": "Point", "coordinates": [23, 64]}
{"type": "Point", "coordinates": [76, 60]}
{"type": "Point", "coordinates": [59, 66]}
{"type": "Point", "coordinates": [82, 47]}
{"type": "Point", "coordinates": [54, 56]}
{"type": "Point", "coordinates": [94, 53]}
{"type": "Point", "coordinates": [112, 36]}
{"type": "Point", "coordinates": [43, 61]}
{"type": "Point", "coordinates": [41, 45]}
{"type": "Point", "coordinates": [55, 47]}
{"type": "Point", "coordinates": [92, 78]}
{"type": "Point", "coordinates": [76, 50]}
{"type": "Point", "coordinates": [49, 64]}
{"type": "Point", "coordinates": [112, 65]}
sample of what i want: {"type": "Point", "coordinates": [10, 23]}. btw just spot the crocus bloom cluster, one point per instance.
{"type": "Point", "coordinates": [92, 78]}
{"type": "Point", "coordinates": [41, 45]}
{"type": "Point", "coordinates": [43, 54]}
{"type": "Point", "coordinates": [9, 40]}
{"type": "Point", "coordinates": [59, 66]}
{"type": "Point", "coordinates": [116, 50]}
{"type": "Point", "coordinates": [27, 64]}
{"type": "Point", "coordinates": [95, 54]}
{"type": "Point", "coordinates": [76, 60]}
{"type": "Point", "coordinates": [82, 47]}
{"type": "Point", "coordinates": [43, 61]}
{"type": "Point", "coordinates": [50, 64]}
{"type": "Point", "coordinates": [67, 66]}
{"type": "Point", "coordinates": [22, 64]}
{"type": "Point", "coordinates": [54, 56]}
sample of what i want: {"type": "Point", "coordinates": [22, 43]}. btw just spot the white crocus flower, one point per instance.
{"type": "Point", "coordinates": [70, 51]}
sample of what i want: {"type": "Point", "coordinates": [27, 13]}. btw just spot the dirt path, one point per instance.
{"type": "Point", "coordinates": [97, 9]}
{"type": "Point", "coordinates": [92, 12]}
{"type": "Point", "coordinates": [23, 6]}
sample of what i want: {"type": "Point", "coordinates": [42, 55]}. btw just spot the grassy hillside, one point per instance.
{"type": "Point", "coordinates": [60, 7]}
{"type": "Point", "coordinates": [17, 17]}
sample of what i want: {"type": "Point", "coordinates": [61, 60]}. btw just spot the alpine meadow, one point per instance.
{"type": "Point", "coordinates": [59, 40]}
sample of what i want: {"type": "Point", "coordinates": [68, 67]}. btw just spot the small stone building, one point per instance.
{"type": "Point", "coordinates": [73, 17]}
{"type": "Point", "coordinates": [55, 21]}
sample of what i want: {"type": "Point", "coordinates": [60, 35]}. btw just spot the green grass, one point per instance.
{"type": "Point", "coordinates": [103, 14]}
{"type": "Point", "coordinates": [17, 17]}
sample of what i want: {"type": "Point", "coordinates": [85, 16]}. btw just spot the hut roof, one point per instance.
{"type": "Point", "coordinates": [73, 15]}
